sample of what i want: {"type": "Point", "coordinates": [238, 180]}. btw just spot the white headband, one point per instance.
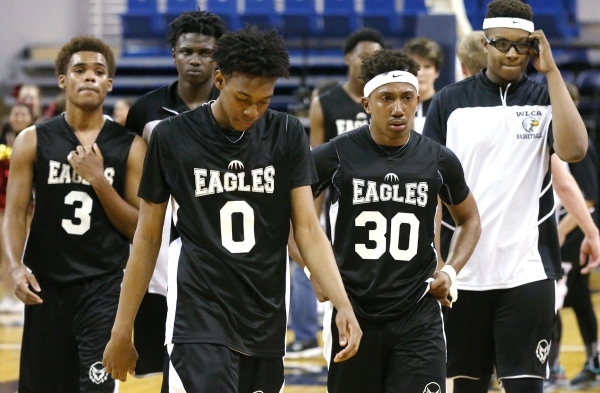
{"type": "Point", "coordinates": [508, 23]}
{"type": "Point", "coordinates": [390, 77]}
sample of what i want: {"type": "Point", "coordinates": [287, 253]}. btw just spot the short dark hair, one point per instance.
{"type": "Point", "coordinates": [361, 35]}
{"type": "Point", "coordinates": [427, 49]}
{"type": "Point", "coordinates": [509, 9]}
{"type": "Point", "coordinates": [84, 44]}
{"type": "Point", "coordinates": [252, 51]}
{"type": "Point", "coordinates": [386, 60]}
{"type": "Point", "coordinates": [201, 22]}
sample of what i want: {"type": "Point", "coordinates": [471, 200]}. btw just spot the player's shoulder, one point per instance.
{"type": "Point", "coordinates": [152, 99]}
{"type": "Point", "coordinates": [457, 87]}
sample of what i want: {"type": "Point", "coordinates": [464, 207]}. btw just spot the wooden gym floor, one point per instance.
{"type": "Point", "coordinates": [302, 376]}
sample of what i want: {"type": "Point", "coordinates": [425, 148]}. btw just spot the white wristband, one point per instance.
{"type": "Point", "coordinates": [307, 272]}
{"type": "Point", "coordinates": [449, 270]}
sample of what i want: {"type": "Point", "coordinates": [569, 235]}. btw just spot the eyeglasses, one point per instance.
{"type": "Point", "coordinates": [522, 47]}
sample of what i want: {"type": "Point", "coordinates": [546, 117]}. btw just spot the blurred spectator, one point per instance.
{"type": "Point", "coordinates": [19, 118]}
{"type": "Point", "coordinates": [430, 57]}
{"type": "Point", "coordinates": [121, 109]}
{"type": "Point", "coordinates": [57, 107]}
{"type": "Point", "coordinates": [470, 53]}
{"type": "Point", "coordinates": [30, 95]}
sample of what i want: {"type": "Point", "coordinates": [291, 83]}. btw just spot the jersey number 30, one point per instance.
{"type": "Point", "coordinates": [378, 235]}
{"type": "Point", "coordinates": [82, 213]}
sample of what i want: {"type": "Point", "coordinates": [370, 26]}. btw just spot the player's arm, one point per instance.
{"type": "Point", "coordinates": [14, 228]}
{"type": "Point", "coordinates": [318, 256]}
{"type": "Point", "coordinates": [88, 162]}
{"type": "Point", "coordinates": [317, 128]}
{"type": "Point", "coordinates": [120, 355]}
{"type": "Point", "coordinates": [568, 129]}
{"type": "Point", "coordinates": [574, 202]}
{"type": "Point", "coordinates": [465, 238]}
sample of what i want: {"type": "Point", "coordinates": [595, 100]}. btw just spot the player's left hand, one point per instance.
{"type": "Point", "coordinates": [589, 253]}
{"type": "Point", "coordinates": [88, 162]}
{"type": "Point", "coordinates": [350, 333]}
{"type": "Point", "coordinates": [440, 287]}
{"type": "Point", "coordinates": [120, 357]}
{"type": "Point", "coordinates": [542, 60]}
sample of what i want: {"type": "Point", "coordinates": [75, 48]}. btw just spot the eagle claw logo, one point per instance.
{"type": "Point", "coordinates": [391, 177]}
{"type": "Point", "coordinates": [235, 165]}
{"type": "Point", "coordinates": [529, 123]}
{"type": "Point", "coordinates": [98, 373]}
{"type": "Point", "coordinates": [542, 350]}
{"type": "Point", "coordinates": [432, 387]}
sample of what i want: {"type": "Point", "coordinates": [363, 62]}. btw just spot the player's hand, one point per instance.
{"type": "Point", "coordinates": [350, 334]}
{"type": "Point", "coordinates": [440, 287]}
{"type": "Point", "coordinates": [318, 291]}
{"type": "Point", "coordinates": [542, 60]}
{"type": "Point", "coordinates": [88, 162]}
{"type": "Point", "coordinates": [589, 253]}
{"type": "Point", "coordinates": [120, 357]}
{"type": "Point", "coordinates": [23, 279]}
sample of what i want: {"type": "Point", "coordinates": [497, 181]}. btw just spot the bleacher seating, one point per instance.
{"type": "Point", "coordinates": [227, 10]}
{"type": "Point", "coordinates": [260, 13]}
{"type": "Point", "coordinates": [299, 19]}
{"type": "Point", "coordinates": [176, 7]}
{"type": "Point", "coordinates": [382, 16]}
{"type": "Point", "coordinates": [554, 17]}
{"type": "Point", "coordinates": [142, 28]}
{"type": "Point", "coordinates": [339, 18]}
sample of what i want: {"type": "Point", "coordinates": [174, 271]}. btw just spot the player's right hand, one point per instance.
{"type": "Point", "coordinates": [23, 279]}
{"type": "Point", "coordinates": [350, 334]}
{"type": "Point", "coordinates": [120, 357]}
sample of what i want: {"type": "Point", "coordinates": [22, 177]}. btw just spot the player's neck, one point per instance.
{"type": "Point", "coordinates": [84, 121]}
{"type": "Point", "coordinates": [354, 89]}
{"type": "Point", "coordinates": [382, 139]}
{"type": "Point", "coordinates": [194, 95]}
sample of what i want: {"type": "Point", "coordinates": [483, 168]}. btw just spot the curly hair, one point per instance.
{"type": "Point", "coordinates": [84, 44]}
{"type": "Point", "coordinates": [427, 49]}
{"type": "Point", "coordinates": [361, 35]}
{"type": "Point", "coordinates": [386, 60]}
{"type": "Point", "coordinates": [201, 22]}
{"type": "Point", "coordinates": [509, 9]}
{"type": "Point", "coordinates": [252, 51]}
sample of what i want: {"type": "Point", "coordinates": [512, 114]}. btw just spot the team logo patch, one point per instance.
{"type": "Point", "coordinates": [529, 123]}
{"type": "Point", "coordinates": [432, 387]}
{"type": "Point", "coordinates": [391, 177]}
{"type": "Point", "coordinates": [98, 373]}
{"type": "Point", "coordinates": [542, 350]}
{"type": "Point", "coordinates": [235, 164]}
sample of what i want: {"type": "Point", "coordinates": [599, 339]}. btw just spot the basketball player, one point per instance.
{"type": "Point", "coordinates": [385, 180]}
{"type": "Point", "coordinates": [192, 37]}
{"type": "Point", "coordinates": [239, 172]}
{"type": "Point", "coordinates": [85, 171]}
{"type": "Point", "coordinates": [339, 109]}
{"type": "Point", "coordinates": [428, 54]}
{"type": "Point", "coordinates": [504, 127]}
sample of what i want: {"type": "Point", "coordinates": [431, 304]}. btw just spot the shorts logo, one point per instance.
{"type": "Point", "coordinates": [235, 165]}
{"type": "Point", "coordinates": [529, 122]}
{"type": "Point", "coordinates": [391, 177]}
{"type": "Point", "coordinates": [432, 387]}
{"type": "Point", "coordinates": [98, 373]}
{"type": "Point", "coordinates": [542, 350]}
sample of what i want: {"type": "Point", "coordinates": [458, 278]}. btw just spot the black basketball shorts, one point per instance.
{"type": "Point", "coordinates": [210, 368]}
{"type": "Point", "coordinates": [406, 354]}
{"type": "Point", "coordinates": [509, 329]}
{"type": "Point", "coordinates": [65, 336]}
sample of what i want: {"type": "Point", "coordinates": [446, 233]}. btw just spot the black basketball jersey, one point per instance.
{"type": "Point", "coordinates": [382, 216]}
{"type": "Point", "coordinates": [71, 238]}
{"type": "Point", "coordinates": [585, 173]}
{"type": "Point", "coordinates": [233, 190]}
{"type": "Point", "coordinates": [340, 112]}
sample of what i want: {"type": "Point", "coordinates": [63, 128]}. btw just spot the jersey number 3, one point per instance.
{"type": "Point", "coordinates": [82, 213]}
{"type": "Point", "coordinates": [378, 235]}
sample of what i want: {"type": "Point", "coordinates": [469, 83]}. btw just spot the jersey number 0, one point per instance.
{"type": "Point", "coordinates": [378, 235]}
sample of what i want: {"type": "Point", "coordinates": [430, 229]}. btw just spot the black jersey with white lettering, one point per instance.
{"type": "Point", "coordinates": [71, 238]}
{"type": "Point", "coordinates": [502, 135]}
{"type": "Point", "coordinates": [233, 191]}
{"type": "Point", "coordinates": [340, 112]}
{"type": "Point", "coordinates": [382, 216]}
